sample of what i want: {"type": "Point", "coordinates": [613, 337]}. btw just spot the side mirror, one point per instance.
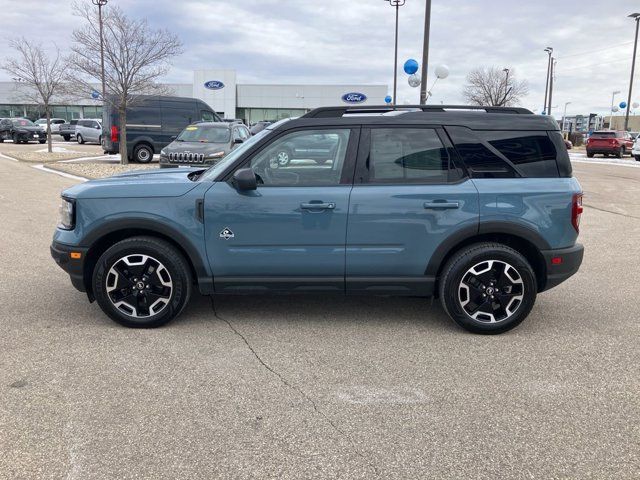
{"type": "Point", "coordinates": [245, 179]}
{"type": "Point", "coordinates": [98, 127]}
{"type": "Point", "coordinates": [237, 140]}
{"type": "Point", "coordinates": [173, 137]}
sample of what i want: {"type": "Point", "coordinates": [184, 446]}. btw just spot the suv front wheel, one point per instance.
{"type": "Point", "coordinates": [488, 288]}
{"type": "Point", "coordinates": [142, 282]}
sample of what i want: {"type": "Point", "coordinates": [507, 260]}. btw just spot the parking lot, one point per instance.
{"type": "Point", "coordinates": [320, 387]}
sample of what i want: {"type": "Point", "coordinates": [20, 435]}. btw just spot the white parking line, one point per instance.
{"type": "Point", "coordinates": [8, 158]}
{"type": "Point", "coordinates": [62, 174]}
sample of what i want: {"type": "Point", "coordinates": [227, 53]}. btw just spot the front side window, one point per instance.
{"type": "Point", "coordinates": [407, 155]}
{"type": "Point", "coordinates": [207, 116]}
{"type": "Point", "coordinates": [303, 158]}
{"type": "Point", "coordinates": [204, 134]}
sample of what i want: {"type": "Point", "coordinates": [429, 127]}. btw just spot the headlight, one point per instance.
{"type": "Point", "coordinates": [67, 214]}
{"type": "Point", "coordinates": [216, 155]}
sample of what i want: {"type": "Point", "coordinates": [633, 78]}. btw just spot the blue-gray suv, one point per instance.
{"type": "Point", "coordinates": [476, 206]}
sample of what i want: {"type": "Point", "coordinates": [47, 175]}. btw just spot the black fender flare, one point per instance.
{"type": "Point", "coordinates": [151, 226]}
{"type": "Point", "coordinates": [483, 228]}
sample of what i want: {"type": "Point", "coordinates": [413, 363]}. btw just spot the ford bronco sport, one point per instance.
{"type": "Point", "coordinates": [476, 206]}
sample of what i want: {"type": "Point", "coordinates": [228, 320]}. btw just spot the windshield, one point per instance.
{"type": "Point", "coordinates": [603, 135]}
{"type": "Point", "coordinates": [22, 122]}
{"type": "Point", "coordinates": [204, 134]}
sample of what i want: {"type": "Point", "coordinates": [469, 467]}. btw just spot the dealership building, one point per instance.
{"type": "Point", "coordinates": [220, 90]}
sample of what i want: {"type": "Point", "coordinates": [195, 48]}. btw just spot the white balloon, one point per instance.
{"type": "Point", "coordinates": [635, 104]}
{"type": "Point", "coordinates": [442, 71]}
{"type": "Point", "coordinates": [615, 108]}
{"type": "Point", "coordinates": [414, 80]}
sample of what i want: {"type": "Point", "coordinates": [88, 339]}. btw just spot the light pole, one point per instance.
{"type": "Point", "coordinates": [636, 17]}
{"type": "Point", "coordinates": [564, 117]}
{"type": "Point", "coordinates": [425, 53]}
{"type": "Point", "coordinates": [506, 87]}
{"type": "Point", "coordinates": [100, 4]}
{"type": "Point", "coordinates": [549, 51]}
{"type": "Point", "coordinates": [551, 74]}
{"type": "Point", "coordinates": [397, 4]}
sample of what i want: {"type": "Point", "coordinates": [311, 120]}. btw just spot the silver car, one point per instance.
{"type": "Point", "coordinates": [55, 124]}
{"type": "Point", "coordinates": [203, 143]}
{"type": "Point", "coordinates": [89, 130]}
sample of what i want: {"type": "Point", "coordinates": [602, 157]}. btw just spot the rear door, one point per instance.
{"type": "Point", "coordinates": [408, 198]}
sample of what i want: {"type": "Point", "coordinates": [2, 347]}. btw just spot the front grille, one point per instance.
{"type": "Point", "coordinates": [186, 158]}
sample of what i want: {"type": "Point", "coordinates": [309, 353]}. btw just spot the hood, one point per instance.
{"type": "Point", "coordinates": [195, 147]}
{"type": "Point", "coordinates": [152, 183]}
{"type": "Point", "coordinates": [30, 128]}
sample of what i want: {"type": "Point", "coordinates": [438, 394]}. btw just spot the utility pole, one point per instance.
{"type": "Point", "coordinates": [549, 51]}
{"type": "Point", "coordinates": [636, 17]}
{"type": "Point", "coordinates": [425, 53]}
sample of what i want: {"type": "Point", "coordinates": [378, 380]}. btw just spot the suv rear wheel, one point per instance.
{"type": "Point", "coordinates": [142, 282]}
{"type": "Point", "coordinates": [488, 288]}
{"type": "Point", "coordinates": [142, 153]}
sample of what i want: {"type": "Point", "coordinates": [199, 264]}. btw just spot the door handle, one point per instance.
{"type": "Point", "coordinates": [318, 206]}
{"type": "Point", "coordinates": [441, 205]}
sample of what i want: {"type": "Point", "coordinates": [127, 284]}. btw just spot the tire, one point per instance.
{"type": "Point", "coordinates": [41, 141]}
{"type": "Point", "coordinates": [142, 153]}
{"type": "Point", "coordinates": [589, 154]}
{"type": "Point", "coordinates": [283, 157]}
{"type": "Point", "coordinates": [79, 139]}
{"type": "Point", "coordinates": [100, 140]}
{"type": "Point", "coordinates": [16, 139]}
{"type": "Point", "coordinates": [66, 138]}
{"type": "Point", "coordinates": [637, 157]}
{"type": "Point", "coordinates": [620, 152]}
{"type": "Point", "coordinates": [168, 291]}
{"type": "Point", "coordinates": [484, 265]}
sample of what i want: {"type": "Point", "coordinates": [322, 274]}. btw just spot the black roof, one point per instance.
{"type": "Point", "coordinates": [476, 118]}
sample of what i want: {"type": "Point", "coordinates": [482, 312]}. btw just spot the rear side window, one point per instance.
{"type": "Point", "coordinates": [533, 153]}
{"type": "Point", "coordinates": [481, 159]}
{"type": "Point", "coordinates": [407, 155]}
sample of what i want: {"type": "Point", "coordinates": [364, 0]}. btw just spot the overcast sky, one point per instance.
{"type": "Point", "coordinates": [351, 41]}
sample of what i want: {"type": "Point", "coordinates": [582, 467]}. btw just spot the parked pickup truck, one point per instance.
{"type": "Point", "coordinates": [68, 130]}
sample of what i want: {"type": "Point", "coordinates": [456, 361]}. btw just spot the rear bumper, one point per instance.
{"type": "Point", "coordinates": [569, 263]}
{"type": "Point", "coordinates": [61, 253]}
{"type": "Point", "coordinates": [603, 149]}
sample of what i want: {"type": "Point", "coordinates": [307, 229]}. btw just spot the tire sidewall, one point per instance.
{"type": "Point", "coordinates": [136, 154]}
{"type": "Point", "coordinates": [453, 277]}
{"type": "Point", "coordinates": [165, 254]}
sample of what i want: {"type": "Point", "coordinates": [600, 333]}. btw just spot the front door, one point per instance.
{"type": "Point", "coordinates": [408, 198]}
{"type": "Point", "coordinates": [289, 234]}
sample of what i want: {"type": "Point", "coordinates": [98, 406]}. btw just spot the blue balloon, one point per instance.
{"type": "Point", "coordinates": [623, 105]}
{"type": "Point", "coordinates": [95, 94]}
{"type": "Point", "coordinates": [410, 66]}
{"type": "Point", "coordinates": [388, 99]}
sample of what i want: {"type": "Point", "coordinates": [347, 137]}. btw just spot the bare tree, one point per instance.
{"type": "Point", "coordinates": [494, 86]}
{"type": "Point", "coordinates": [41, 77]}
{"type": "Point", "coordinates": [135, 57]}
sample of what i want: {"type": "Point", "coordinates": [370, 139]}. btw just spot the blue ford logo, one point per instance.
{"type": "Point", "coordinates": [354, 97]}
{"type": "Point", "coordinates": [214, 85]}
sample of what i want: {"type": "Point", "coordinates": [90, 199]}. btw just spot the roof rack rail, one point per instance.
{"type": "Point", "coordinates": [328, 112]}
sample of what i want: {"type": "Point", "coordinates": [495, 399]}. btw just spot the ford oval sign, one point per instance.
{"type": "Point", "coordinates": [354, 97]}
{"type": "Point", "coordinates": [214, 85]}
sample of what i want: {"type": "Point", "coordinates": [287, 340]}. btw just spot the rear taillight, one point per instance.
{"type": "Point", "coordinates": [114, 133]}
{"type": "Point", "coordinates": [576, 211]}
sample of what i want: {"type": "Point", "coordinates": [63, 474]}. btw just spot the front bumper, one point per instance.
{"type": "Point", "coordinates": [61, 253]}
{"type": "Point", "coordinates": [561, 264]}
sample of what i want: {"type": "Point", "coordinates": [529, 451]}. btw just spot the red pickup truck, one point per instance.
{"type": "Point", "coordinates": [609, 142]}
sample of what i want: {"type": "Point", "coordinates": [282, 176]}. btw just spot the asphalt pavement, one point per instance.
{"type": "Point", "coordinates": [315, 386]}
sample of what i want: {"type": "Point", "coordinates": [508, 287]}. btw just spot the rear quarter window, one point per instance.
{"type": "Point", "coordinates": [533, 153]}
